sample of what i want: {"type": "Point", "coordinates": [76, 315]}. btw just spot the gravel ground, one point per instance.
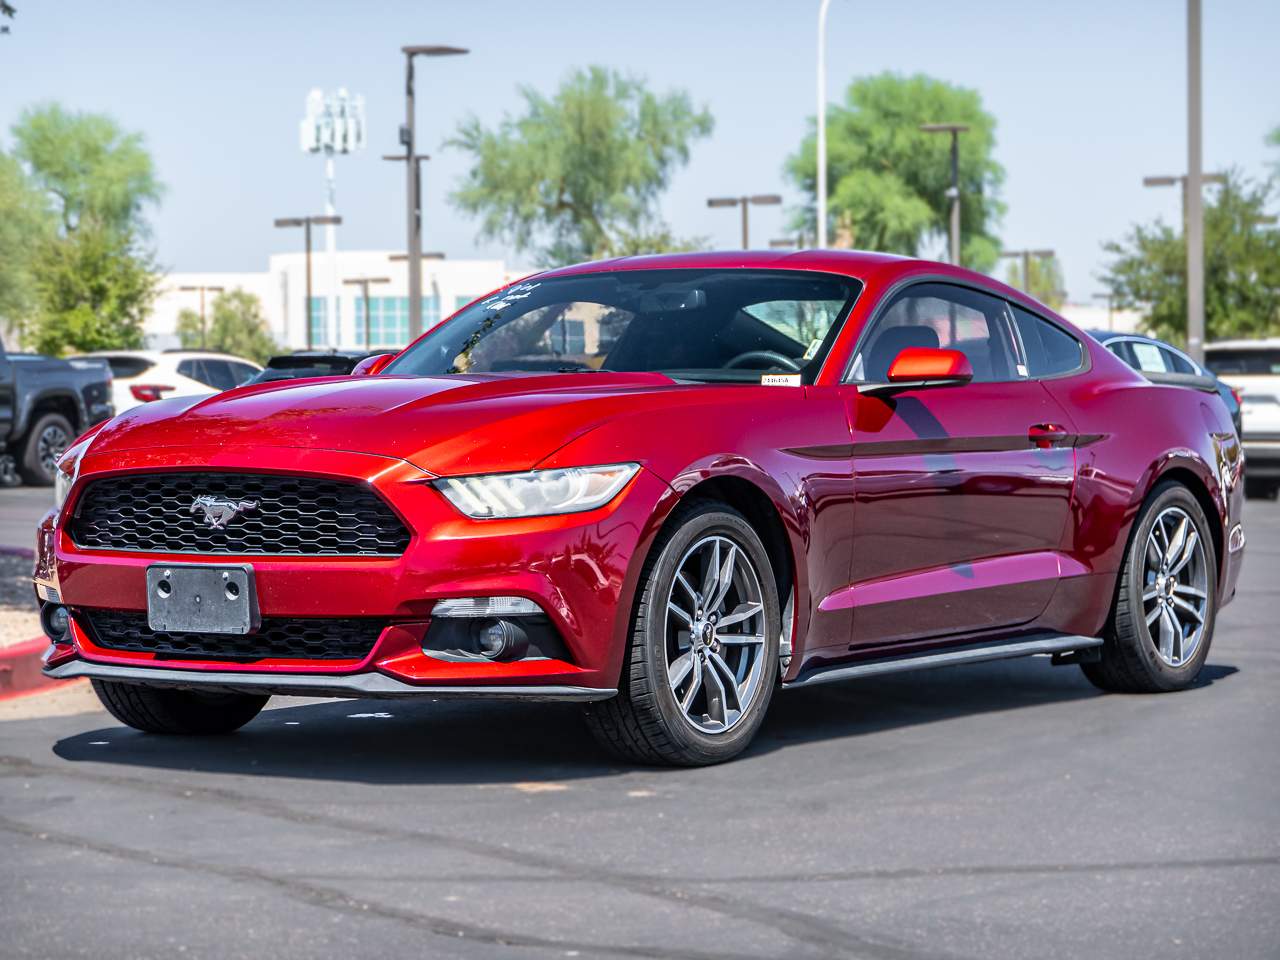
{"type": "Point", "coordinates": [18, 618]}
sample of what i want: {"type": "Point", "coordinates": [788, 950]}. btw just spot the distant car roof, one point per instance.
{"type": "Point", "coordinates": [337, 359]}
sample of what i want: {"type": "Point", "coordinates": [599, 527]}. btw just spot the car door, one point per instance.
{"type": "Point", "coordinates": [962, 492]}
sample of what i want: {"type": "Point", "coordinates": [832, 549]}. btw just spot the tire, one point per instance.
{"type": "Point", "coordinates": [1261, 489]}
{"type": "Point", "coordinates": [51, 434]}
{"type": "Point", "coordinates": [1137, 658]}
{"type": "Point", "coordinates": [163, 710]}
{"type": "Point", "coordinates": [646, 723]}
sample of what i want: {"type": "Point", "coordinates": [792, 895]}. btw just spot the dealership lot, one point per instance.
{"type": "Point", "coordinates": [999, 810]}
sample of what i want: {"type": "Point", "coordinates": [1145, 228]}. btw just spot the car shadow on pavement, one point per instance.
{"type": "Point", "coordinates": [455, 742]}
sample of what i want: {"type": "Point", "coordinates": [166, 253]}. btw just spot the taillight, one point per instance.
{"type": "Point", "coordinates": [1237, 393]}
{"type": "Point", "coordinates": [146, 392]}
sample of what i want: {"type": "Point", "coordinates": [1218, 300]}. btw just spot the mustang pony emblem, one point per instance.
{"type": "Point", "coordinates": [219, 511]}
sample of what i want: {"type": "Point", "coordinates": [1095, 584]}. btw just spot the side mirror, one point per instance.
{"type": "Point", "coordinates": [917, 367]}
{"type": "Point", "coordinates": [371, 365]}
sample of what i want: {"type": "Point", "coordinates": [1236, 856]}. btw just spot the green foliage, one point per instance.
{"type": "Point", "coordinates": [578, 175]}
{"type": "Point", "coordinates": [1241, 271]}
{"type": "Point", "coordinates": [1273, 138]}
{"type": "Point", "coordinates": [94, 171]}
{"type": "Point", "coordinates": [93, 290]}
{"type": "Point", "coordinates": [888, 180]}
{"type": "Point", "coordinates": [1046, 280]}
{"type": "Point", "coordinates": [235, 325]}
{"type": "Point", "coordinates": [25, 224]}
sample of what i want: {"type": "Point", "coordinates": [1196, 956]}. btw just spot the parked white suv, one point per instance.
{"type": "Point", "coordinates": [1253, 368]}
{"type": "Point", "coordinates": [145, 375]}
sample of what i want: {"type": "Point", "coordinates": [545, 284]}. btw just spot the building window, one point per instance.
{"type": "Point", "coordinates": [388, 322]}
{"type": "Point", "coordinates": [568, 337]}
{"type": "Point", "coordinates": [319, 321]}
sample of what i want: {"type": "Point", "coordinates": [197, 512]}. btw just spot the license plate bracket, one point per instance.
{"type": "Point", "coordinates": [202, 598]}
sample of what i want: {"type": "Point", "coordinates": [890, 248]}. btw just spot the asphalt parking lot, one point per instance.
{"type": "Point", "coordinates": [1000, 810]}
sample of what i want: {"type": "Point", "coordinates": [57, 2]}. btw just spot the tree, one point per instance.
{"type": "Point", "coordinates": [235, 326]}
{"type": "Point", "coordinates": [92, 169]}
{"type": "Point", "coordinates": [889, 180]}
{"type": "Point", "coordinates": [1241, 271]}
{"type": "Point", "coordinates": [1046, 280]}
{"type": "Point", "coordinates": [25, 224]}
{"type": "Point", "coordinates": [94, 289]}
{"type": "Point", "coordinates": [578, 175]}
{"type": "Point", "coordinates": [1273, 138]}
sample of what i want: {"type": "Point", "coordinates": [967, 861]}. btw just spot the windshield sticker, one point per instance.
{"type": "Point", "coordinates": [501, 301]}
{"type": "Point", "coordinates": [779, 379]}
{"type": "Point", "coordinates": [814, 347]}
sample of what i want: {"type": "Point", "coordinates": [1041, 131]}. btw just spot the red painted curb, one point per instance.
{"type": "Point", "coordinates": [20, 668]}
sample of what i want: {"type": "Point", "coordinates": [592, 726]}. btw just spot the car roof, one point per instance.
{"type": "Point", "coordinates": [157, 355]}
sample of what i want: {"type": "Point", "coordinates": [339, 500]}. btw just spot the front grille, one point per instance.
{"type": "Point", "coordinates": [277, 638]}
{"type": "Point", "coordinates": [289, 516]}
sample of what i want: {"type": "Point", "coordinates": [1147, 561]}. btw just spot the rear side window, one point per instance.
{"type": "Point", "coordinates": [1050, 350]}
{"type": "Point", "coordinates": [122, 367]}
{"type": "Point", "coordinates": [1246, 362]}
{"type": "Point", "coordinates": [240, 372]}
{"type": "Point", "coordinates": [197, 370]}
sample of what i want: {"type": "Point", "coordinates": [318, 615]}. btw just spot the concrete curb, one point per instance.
{"type": "Point", "coordinates": [20, 668]}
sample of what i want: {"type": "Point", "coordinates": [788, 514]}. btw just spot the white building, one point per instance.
{"type": "Point", "coordinates": [1096, 316]}
{"type": "Point", "coordinates": [281, 288]}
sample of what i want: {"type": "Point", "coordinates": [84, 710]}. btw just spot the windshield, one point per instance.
{"type": "Point", "coordinates": [701, 325]}
{"type": "Point", "coordinates": [1258, 362]}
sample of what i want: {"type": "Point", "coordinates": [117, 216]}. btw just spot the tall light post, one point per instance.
{"type": "Point", "coordinates": [955, 129]}
{"type": "Point", "coordinates": [204, 329]}
{"type": "Point", "coordinates": [306, 223]}
{"type": "Point", "coordinates": [822, 122]}
{"type": "Point", "coordinates": [1111, 299]}
{"type": "Point", "coordinates": [363, 283]}
{"type": "Point", "coordinates": [1194, 212]}
{"type": "Point", "coordinates": [412, 161]}
{"type": "Point", "coordinates": [760, 199]}
{"type": "Point", "coordinates": [334, 126]}
{"type": "Point", "coordinates": [1025, 256]}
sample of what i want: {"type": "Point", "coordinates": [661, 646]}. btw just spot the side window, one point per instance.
{"type": "Point", "coordinates": [194, 369]}
{"type": "Point", "coordinates": [240, 372]}
{"type": "Point", "coordinates": [1050, 350]}
{"type": "Point", "coordinates": [940, 315]}
{"type": "Point", "coordinates": [220, 376]}
{"type": "Point", "coordinates": [1149, 357]}
{"type": "Point", "coordinates": [1176, 363]}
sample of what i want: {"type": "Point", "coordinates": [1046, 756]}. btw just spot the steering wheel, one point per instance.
{"type": "Point", "coordinates": [771, 357]}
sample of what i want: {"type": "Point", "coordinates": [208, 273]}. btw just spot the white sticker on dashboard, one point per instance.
{"type": "Point", "coordinates": [779, 379]}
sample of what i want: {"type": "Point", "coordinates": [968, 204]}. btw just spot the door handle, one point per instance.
{"type": "Point", "coordinates": [1047, 435]}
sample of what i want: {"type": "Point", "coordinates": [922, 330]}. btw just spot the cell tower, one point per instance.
{"type": "Point", "coordinates": [334, 125]}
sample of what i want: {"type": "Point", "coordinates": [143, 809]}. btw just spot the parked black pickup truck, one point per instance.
{"type": "Point", "coordinates": [45, 404]}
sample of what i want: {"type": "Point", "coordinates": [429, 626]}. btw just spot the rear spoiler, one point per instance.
{"type": "Point", "coordinates": [1193, 380]}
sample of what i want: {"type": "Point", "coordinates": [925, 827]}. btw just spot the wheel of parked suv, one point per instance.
{"type": "Point", "coordinates": [1162, 620]}
{"type": "Point", "coordinates": [160, 710]}
{"type": "Point", "coordinates": [702, 661]}
{"type": "Point", "coordinates": [46, 441]}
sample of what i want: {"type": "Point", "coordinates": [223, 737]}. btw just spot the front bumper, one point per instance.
{"type": "Point", "coordinates": [580, 569]}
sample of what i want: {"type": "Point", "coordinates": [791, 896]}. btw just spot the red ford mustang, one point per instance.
{"type": "Point", "coordinates": [660, 486]}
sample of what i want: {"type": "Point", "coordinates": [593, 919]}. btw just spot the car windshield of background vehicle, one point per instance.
{"type": "Point", "coordinates": [697, 325]}
{"type": "Point", "coordinates": [1256, 363]}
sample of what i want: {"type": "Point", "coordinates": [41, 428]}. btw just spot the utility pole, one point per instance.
{"type": "Point", "coordinates": [204, 328]}
{"type": "Point", "coordinates": [760, 199]}
{"type": "Point", "coordinates": [955, 129]}
{"type": "Point", "coordinates": [363, 283]}
{"type": "Point", "coordinates": [1025, 256]}
{"type": "Point", "coordinates": [822, 122]}
{"type": "Point", "coordinates": [413, 179]}
{"type": "Point", "coordinates": [1111, 299]}
{"type": "Point", "coordinates": [1194, 197]}
{"type": "Point", "coordinates": [306, 224]}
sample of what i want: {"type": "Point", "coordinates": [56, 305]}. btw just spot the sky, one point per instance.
{"type": "Point", "coordinates": [1089, 97]}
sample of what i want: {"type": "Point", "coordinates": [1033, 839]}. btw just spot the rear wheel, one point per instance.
{"type": "Point", "coordinates": [1162, 622]}
{"type": "Point", "coordinates": [163, 710]}
{"type": "Point", "coordinates": [703, 658]}
{"type": "Point", "coordinates": [48, 438]}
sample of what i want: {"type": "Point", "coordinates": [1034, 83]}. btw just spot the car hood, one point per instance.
{"type": "Point", "coordinates": [447, 425]}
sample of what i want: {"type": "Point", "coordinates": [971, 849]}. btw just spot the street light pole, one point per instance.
{"type": "Point", "coordinates": [363, 283]}
{"type": "Point", "coordinates": [204, 329]}
{"type": "Point", "coordinates": [1194, 197]}
{"type": "Point", "coordinates": [413, 180]}
{"type": "Point", "coordinates": [955, 129]}
{"type": "Point", "coordinates": [760, 199]}
{"type": "Point", "coordinates": [306, 224]}
{"type": "Point", "coordinates": [822, 123]}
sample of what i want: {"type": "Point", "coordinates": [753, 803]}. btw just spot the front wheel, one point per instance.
{"type": "Point", "coordinates": [162, 710]}
{"type": "Point", "coordinates": [49, 437]}
{"type": "Point", "coordinates": [1166, 602]}
{"type": "Point", "coordinates": [703, 657]}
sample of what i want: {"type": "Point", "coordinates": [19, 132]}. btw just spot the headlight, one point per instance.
{"type": "Point", "coordinates": [68, 468]}
{"type": "Point", "coordinates": [536, 493]}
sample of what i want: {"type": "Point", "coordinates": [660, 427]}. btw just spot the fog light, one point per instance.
{"type": "Point", "coordinates": [55, 621]}
{"type": "Point", "coordinates": [501, 639]}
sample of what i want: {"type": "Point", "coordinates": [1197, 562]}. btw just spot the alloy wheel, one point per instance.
{"type": "Point", "coordinates": [715, 634]}
{"type": "Point", "coordinates": [51, 444]}
{"type": "Point", "coordinates": [1175, 588]}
